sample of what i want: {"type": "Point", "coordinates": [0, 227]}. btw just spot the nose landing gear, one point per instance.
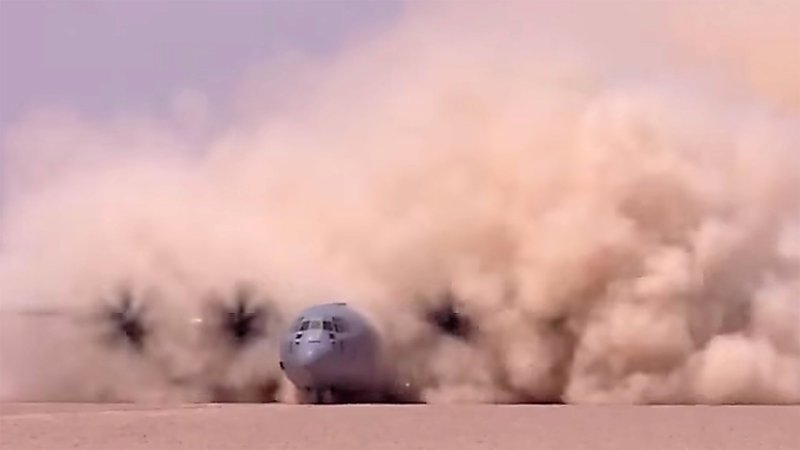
{"type": "Point", "coordinates": [321, 396]}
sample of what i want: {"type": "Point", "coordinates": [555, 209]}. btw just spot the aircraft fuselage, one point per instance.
{"type": "Point", "coordinates": [332, 350]}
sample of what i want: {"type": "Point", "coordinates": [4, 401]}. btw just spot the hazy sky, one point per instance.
{"type": "Point", "coordinates": [104, 56]}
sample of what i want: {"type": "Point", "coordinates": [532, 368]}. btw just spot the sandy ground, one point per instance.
{"type": "Point", "coordinates": [74, 426]}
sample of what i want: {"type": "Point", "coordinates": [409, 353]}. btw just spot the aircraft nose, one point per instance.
{"type": "Point", "coordinates": [311, 353]}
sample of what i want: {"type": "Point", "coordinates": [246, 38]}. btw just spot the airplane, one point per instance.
{"type": "Point", "coordinates": [332, 353]}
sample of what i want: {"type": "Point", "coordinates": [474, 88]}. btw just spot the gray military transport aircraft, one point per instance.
{"type": "Point", "coordinates": [332, 353]}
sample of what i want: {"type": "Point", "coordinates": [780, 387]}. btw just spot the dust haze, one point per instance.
{"type": "Point", "coordinates": [607, 193]}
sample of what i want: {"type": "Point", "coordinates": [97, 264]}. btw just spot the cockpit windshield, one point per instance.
{"type": "Point", "coordinates": [335, 324]}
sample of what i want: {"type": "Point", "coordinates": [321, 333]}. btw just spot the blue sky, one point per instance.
{"type": "Point", "coordinates": [98, 57]}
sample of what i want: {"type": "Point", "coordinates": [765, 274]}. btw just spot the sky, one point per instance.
{"type": "Point", "coordinates": [100, 57]}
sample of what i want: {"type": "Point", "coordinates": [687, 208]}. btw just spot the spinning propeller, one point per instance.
{"type": "Point", "coordinates": [126, 316]}
{"type": "Point", "coordinates": [242, 320]}
{"type": "Point", "coordinates": [449, 319]}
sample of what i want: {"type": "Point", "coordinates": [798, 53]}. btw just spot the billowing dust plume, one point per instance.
{"type": "Point", "coordinates": [607, 196]}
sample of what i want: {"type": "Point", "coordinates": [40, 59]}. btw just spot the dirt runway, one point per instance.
{"type": "Point", "coordinates": [198, 427]}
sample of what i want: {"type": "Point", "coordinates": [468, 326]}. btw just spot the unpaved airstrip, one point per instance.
{"type": "Point", "coordinates": [384, 427]}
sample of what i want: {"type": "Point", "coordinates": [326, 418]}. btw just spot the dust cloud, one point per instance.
{"type": "Point", "coordinates": [581, 203]}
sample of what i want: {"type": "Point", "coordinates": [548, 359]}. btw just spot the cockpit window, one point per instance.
{"type": "Point", "coordinates": [339, 325]}
{"type": "Point", "coordinates": [315, 325]}
{"type": "Point", "coordinates": [303, 326]}
{"type": "Point", "coordinates": [327, 326]}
